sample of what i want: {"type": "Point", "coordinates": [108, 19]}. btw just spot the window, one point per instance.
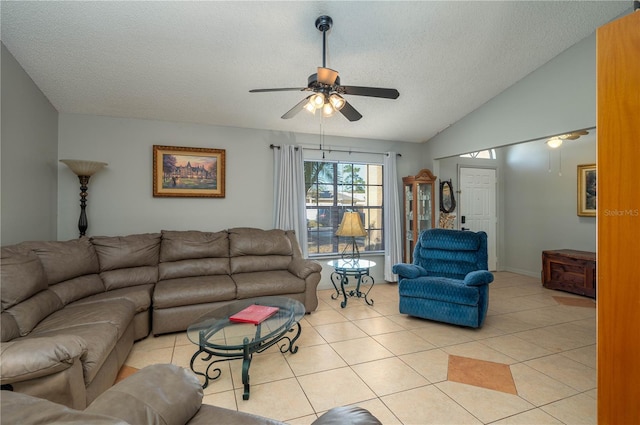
{"type": "Point", "coordinates": [486, 154]}
{"type": "Point", "coordinates": [335, 187]}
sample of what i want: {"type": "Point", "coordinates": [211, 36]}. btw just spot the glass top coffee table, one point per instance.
{"type": "Point", "coordinates": [216, 335]}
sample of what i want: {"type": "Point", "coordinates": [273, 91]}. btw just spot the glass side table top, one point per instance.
{"type": "Point", "coordinates": [349, 265]}
{"type": "Point", "coordinates": [215, 330]}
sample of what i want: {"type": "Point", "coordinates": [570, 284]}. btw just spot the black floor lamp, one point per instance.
{"type": "Point", "coordinates": [84, 170]}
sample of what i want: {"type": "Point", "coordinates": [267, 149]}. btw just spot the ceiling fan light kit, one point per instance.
{"type": "Point", "coordinates": [554, 142]}
{"type": "Point", "coordinates": [325, 84]}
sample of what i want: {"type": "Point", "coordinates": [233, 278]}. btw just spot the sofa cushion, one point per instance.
{"type": "Point", "coordinates": [439, 288]}
{"type": "Point", "coordinates": [78, 288]}
{"type": "Point", "coordinates": [29, 313]}
{"type": "Point", "coordinates": [250, 241]}
{"type": "Point", "coordinates": [21, 274]}
{"type": "Point", "coordinates": [193, 290]}
{"type": "Point", "coordinates": [184, 245]}
{"type": "Point", "coordinates": [258, 263]}
{"type": "Point", "coordinates": [193, 267]}
{"type": "Point", "coordinates": [121, 252]}
{"type": "Point", "coordinates": [134, 276]}
{"type": "Point", "coordinates": [66, 260]}
{"type": "Point", "coordinates": [139, 295]}
{"type": "Point", "coordinates": [8, 327]}
{"type": "Point", "coordinates": [118, 313]}
{"type": "Point", "coordinates": [265, 283]}
{"type": "Point", "coordinates": [444, 239]}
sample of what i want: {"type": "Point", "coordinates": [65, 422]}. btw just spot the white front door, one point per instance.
{"type": "Point", "coordinates": [478, 206]}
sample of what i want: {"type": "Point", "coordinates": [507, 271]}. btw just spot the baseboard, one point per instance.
{"type": "Point", "coordinates": [522, 272]}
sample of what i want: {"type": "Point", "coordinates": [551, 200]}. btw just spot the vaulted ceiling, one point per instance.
{"type": "Point", "coordinates": [190, 61]}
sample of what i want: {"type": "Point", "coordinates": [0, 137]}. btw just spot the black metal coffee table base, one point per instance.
{"type": "Point", "coordinates": [249, 347]}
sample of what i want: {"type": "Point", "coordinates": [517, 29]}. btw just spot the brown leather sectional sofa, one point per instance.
{"type": "Point", "coordinates": [71, 310]}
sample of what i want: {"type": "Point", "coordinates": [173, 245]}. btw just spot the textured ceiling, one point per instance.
{"type": "Point", "coordinates": [191, 61]}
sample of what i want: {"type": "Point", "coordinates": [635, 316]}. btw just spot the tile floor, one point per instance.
{"type": "Point", "coordinates": [400, 368]}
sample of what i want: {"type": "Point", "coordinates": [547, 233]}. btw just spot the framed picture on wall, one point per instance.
{"type": "Point", "coordinates": [188, 172]}
{"type": "Point", "coordinates": [587, 190]}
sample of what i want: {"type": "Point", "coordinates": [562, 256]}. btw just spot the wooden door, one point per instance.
{"type": "Point", "coordinates": [618, 221]}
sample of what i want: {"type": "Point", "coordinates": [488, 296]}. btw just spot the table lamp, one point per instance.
{"type": "Point", "coordinates": [351, 226]}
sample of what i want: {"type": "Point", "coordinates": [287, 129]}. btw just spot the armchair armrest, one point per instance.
{"type": "Point", "coordinates": [303, 268]}
{"type": "Point", "coordinates": [409, 271]}
{"type": "Point", "coordinates": [29, 358]}
{"type": "Point", "coordinates": [478, 278]}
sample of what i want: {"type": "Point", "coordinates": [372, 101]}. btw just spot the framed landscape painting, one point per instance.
{"type": "Point", "coordinates": [188, 172]}
{"type": "Point", "coordinates": [587, 190]}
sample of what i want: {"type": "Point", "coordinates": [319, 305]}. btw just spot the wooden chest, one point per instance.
{"type": "Point", "coordinates": [570, 270]}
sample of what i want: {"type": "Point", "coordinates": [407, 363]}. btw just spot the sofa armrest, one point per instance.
{"type": "Point", "coordinates": [30, 358]}
{"type": "Point", "coordinates": [157, 394]}
{"type": "Point", "coordinates": [478, 278]}
{"type": "Point", "coordinates": [303, 268]}
{"type": "Point", "coordinates": [409, 271]}
{"type": "Point", "coordinates": [347, 415]}
{"type": "Point", "coordinates": [19, 408]}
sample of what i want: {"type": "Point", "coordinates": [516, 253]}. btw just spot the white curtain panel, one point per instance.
{"type": "Point", "coordinates": [392, 217]}
{"type": "Point", "coordinates": [289, 193]}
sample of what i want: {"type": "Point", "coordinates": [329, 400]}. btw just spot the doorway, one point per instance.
{"type": "Point", "coordinates": [478, 210]}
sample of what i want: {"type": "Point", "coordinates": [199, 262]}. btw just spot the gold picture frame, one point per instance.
{"type": "Point", "coordinates": [188, 172]}
{"type": "Point", "coordinates": [587, 190]}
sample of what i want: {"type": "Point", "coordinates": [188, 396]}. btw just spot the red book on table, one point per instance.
{"type": "Point", "coordinates": [254, 314]}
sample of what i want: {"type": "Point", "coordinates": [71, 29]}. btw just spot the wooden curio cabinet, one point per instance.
{"type": "Point", "coordinates": [419, 211]}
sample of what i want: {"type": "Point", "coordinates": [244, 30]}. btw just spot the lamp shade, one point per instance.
{"type": "Point", "coordinates": [351, 225]}
{"type": "Point", "coordinates": [83, 168]}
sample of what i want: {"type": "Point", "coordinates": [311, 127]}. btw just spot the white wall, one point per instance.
{"type": "Point", "coordinates": [29, 158]}
{"type": "Point", "coordinates": [121, 198]}
{"type": "Point", "coordinates": [555, 98]}
{"type": "Point", "coordinates": [541, 205]}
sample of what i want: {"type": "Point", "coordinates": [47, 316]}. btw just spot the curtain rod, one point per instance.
{"type": "Point", "coordinates": [272, 146]}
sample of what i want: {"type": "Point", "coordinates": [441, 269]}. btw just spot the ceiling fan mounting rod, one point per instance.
{"type": "Point", "coordinates": [324, 23]}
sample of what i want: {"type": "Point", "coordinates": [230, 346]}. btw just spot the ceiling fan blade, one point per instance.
{"type": "Point", "coordinates": [369, 91]}
{"type": "Point", "coordinates": [350, 112]}
{"type": "Point", "coordinates": [293, 111]}
{"type": "Point", "coordinates": [282, 89]}
{"type": "Point", "coordinates": [327, 76]}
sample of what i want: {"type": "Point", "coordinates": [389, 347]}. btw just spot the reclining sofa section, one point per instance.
{"type": "Point", "coordinates": [70, 311]}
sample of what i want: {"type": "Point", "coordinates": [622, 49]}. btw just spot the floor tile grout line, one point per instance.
{"type": "Point", "coordinates": [582, 322]}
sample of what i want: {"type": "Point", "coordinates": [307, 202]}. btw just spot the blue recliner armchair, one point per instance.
{"type": "Point", "coordinates": [448, 280]}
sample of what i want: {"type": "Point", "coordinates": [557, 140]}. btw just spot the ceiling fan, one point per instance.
{"type": "Point", "coordinates": [326, 88]}
{"type": "Point", "coordinates": [556, 141]}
